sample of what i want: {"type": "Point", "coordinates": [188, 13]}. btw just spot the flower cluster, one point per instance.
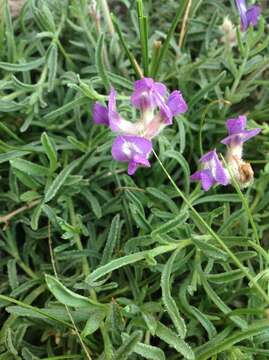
{"type": "Point", "coordinates": [157, 109]}
{"type": "Point", "coordinates": [213, 171]}
{"type": "Point", "coordinates": [248, 16]}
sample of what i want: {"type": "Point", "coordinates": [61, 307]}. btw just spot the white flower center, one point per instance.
{"type": "Point", "coordinates": [128, 148]}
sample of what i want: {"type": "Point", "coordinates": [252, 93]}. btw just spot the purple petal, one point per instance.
{"type": "Point", "coordinates": [176, 103]}
{"type": "Point", "coordinates": [147, 94]}
{"type": "Point", "coordinates": [242, 9]}
{"type": "Point", "coordinates": [100, 114]}
{"type": "Point", "coordinates": [248, 16]}
{"type": "Point", "coordinates": [132, 149]}
{"type": "Point", "coordinates": [237, 132]}
{"type": "Point", "coordinates": [219, 173]}
{"type": "Point", "coordinates": [116, 122]}
{"type": "Point", "coordinates": [240, 137]}
{"type": "Point", "coordinates": [213, 171]}
{"type": "Point", "coordinates": [136, 162]}
{"type": "Point", "coordinates": [160, 88]}
{"type": "Point", "coordinates": [208, 156]}
{"type": "Point", "coordinates": [253, 14]}
{"type": "Point", "coordinates": [205, 177]}
{"type": "Point", "coordinates": [237, 125]}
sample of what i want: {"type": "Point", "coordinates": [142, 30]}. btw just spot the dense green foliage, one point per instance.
{"type": "Point", "coordinates": [99, 265]}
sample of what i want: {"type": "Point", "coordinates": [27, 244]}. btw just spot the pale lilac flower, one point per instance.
{"type": "Point", "coordinates": [157, 109]}
{"type": "Point", "coordinates": [241, 169]}
{"type": "Point", "coordinates": [212, 173]}
{"type": "Point", "coordinates": [132, 149]}
{"type": "Point", "coordinates": [237, 132]}
{"type": "Point", "coordinates": [248, 16]}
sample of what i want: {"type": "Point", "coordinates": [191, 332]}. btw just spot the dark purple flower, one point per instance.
{"type": "Point", "coordinates": [248, 16]}
{"type": "Point", "coordinates": [100, 114]}
{"type": "Point", "coordinates": [132, 149]}
{"type": "Point", "coordinates": [237, 132]}
{"type": "Point", "coordinates": [212, 173]}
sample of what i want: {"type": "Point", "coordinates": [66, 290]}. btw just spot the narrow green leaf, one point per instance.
{"type": "Point", "coordinates": [96, 207]}
{"type": "Point", "coordinates": [9, 105]}
{"type": "Point", "coordinates": [9, 31]}
{"type": "Point", "coordinates": [168, 336]}
{"type": "Point", "coordinates": [65, 108]}
{"type": "Point", "coordinates": [12, 274]}
{"type": "Point", "coordinates": [170, 225]}
{"type": "Point", "coordinates": [93, 323]}
{"type": "Point", "coordinates": [23, 66]}
{"type": "Point", "coordinates": [35, 216]}
{"type": "Point", "coordinates": [99, 62]}
{"type": "Point", "coordinates": [213, 347]}
{"type": "Point", "coordinates": [52, 62]}
{"type": "Point", "coordinates": [66, 296]}
{"type": "Point", "coordinates": [209, 249]}
{"type": "Point", "coordinates": [168, 301]}
{"type": "Point", "coordinates": [50, 150]}
{"type": "Point", "coordinates": [146, 351]}
{"type": "Point", "coordinates": [112, 239]}
{"type": "Point", "coordinates": [29, 168]}
{"type": "Point", "coordinates": [126, 260]}
{"type": "Point", "coordinates": [128, 346]}
{"type": "Point", "coordinates": [59, 181]}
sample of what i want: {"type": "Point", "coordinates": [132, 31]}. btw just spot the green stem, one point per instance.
{"type": "Point", "coordinates": [143, 28]}
{"type": "Point", "coordinates": [85, 265]}
{"type": "Point", "coordinates": [214, 235]}
{"type": "Point", "coordinates": [244, 202]}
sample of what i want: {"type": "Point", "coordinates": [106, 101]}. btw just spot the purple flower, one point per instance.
{"type": "Point", "coordinates": [237, 133]}
{"type": "Point", "coordinates": [157, 109]}
{"type": "Point", "coordinates": [132, 149]}
{"type": "Point", "coordinates": [212, 173]}
{"type": "Point", "coordinates": [100, 114]}
{"type": "Point", "coordinates": [248, 16]}
{"type": "Point", "coordinates": [148, 94]}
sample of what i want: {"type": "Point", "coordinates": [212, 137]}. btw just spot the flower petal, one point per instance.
{"type": "Point", "coordinates": [132, 149]}
{"type": "Point", "coordinates": [242, 9]}
{"type": "Point", "coordinates": [236, 125]}
{"type": "Point", "coordinates": [205, 177]}
{"type": "Point", "coordinates": [100, 114]}
{"type": "Point", "coordinates": [136, 162]}
{"type": "Point", "coordinates": [116, 122]}
{"type": "Point", "coordinates": [213, 171]}
{"type": "Point", "coordinates": [176, 103]}
{"type": "Point", "coordinates": [147, 94]}
{"type": "Point", "coordinates": [253, 14]}
{"type": "Point", "coordinates": [208, 156]}
{"type": "Point", "coordinates": [241, 137]}
{"type": "Point", "coordinates": [237, 132]}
